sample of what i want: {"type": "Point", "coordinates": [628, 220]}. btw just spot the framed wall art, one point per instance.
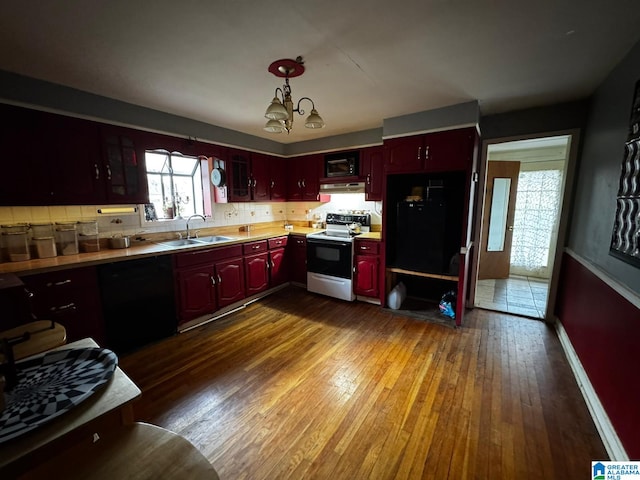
{"type": "Point", "coordinates": [625, 240]}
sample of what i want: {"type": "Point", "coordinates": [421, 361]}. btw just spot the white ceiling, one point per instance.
{"type": "Point", "coordinates": [366, 60]}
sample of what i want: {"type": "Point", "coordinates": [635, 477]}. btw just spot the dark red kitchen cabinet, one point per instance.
{"type": "Point", "coordinates": [256, 177]}
{"type": "Point", "coordinates": [367, 268]}
{"type": "Point", "coordinates": [68, 161]}
{"type": "Point", "coordinates": [229, 281]}
{"type": "Point", "coordinates": [207, 280]}
{"type": "Point", "coordinates": [71, 298]}
{"type": "Point", "coordinates": [77, 173]}
{"type": "Point", "coordinates": [239, 176]}
{"type": "Point", "coordinates": [123, 168]}
{"type": "Point", "coordinates": [256, 270]}
{"type": "Point", "coordinates": [371, 169]}
{"type": "Point", "coordinates": [297, 247]}
{"type": "Point", "coordinates": [278, 267]}
{"type": "Point", "coordinates": [278, 242]}
{"type": "Point", "coordinates": [25, 178]}
{"type": "Point", "coordinates": [311, 173]}
{"type": "Point", "coordinates": [196, 292]}
{"type": "Point", "coordinates": [404, 154]}
{"type": "Point", "coordinates": [366, 275]}
{"type": "Point", "coordinates": [444, 151]}
{"type": "Point", "coordinates": [451, 150]}
{"type": "Point", "coordinates": [303, 177]}
{"type": "Point", "coordinates": [260, 177]}
{"type": "Point", "coordinates": [278, 179]}
{"type": "Point", "coordinates": [294, 175]}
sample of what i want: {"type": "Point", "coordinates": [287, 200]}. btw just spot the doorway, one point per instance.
{"type": "Point", "coordinates": [520, 224]}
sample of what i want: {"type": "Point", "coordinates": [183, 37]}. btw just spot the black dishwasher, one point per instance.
{"type": "Point", "coordinates": [138, 302]}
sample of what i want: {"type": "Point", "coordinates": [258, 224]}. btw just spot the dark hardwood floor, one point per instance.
{"type": "Point", "coordinates": [302, 386]}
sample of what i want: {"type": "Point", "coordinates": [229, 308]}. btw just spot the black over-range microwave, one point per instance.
{"type": "Point", "coordinates": [345, 164]}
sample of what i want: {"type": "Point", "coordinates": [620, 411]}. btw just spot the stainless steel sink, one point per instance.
{"type": "Point", "coordinates": [181, 242]}
{"type": "Point", "coordinates": [212, 239]}
{"type": "Point", "coordinates": [197, 241]}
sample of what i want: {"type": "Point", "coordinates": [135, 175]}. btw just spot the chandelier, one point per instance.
{"type": "Point", "coordinates": [280, 111]}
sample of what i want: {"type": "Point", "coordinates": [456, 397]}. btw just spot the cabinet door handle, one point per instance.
{"type": "Point", "coordinates": [95, 165]}
{"type": "Point", "coordinates": [57, 284]}
{"type": "Point", "coordinates": [255, 182]}
{"type": "Point", "coordinates": [273, 184]}
{"type": "Point", "coordinates": [419, 152]}
{"type": "Point", "coordinates": [108, 172]}
{"type": "Point", "coordinates": [219, 279]}
{"type": "Point", "coordinates": [249, 182]}
{"type": "Point", "coordinates": [299, 184]}
{"type": "Point", "coordinates": [213, 280]}
{"type": "Point", "coordinates": [62, 308]}
{"type": "Point", "coordinates": [364, 248]}
{"type": "Point", "coordinates": [368, 179]}
{"type": "Point", "coordinates": [426, 152]}
{"type": "Point", "coordinates": [303, 184]}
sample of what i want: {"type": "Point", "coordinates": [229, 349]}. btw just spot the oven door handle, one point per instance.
{"type": "Point", "coordinates": [328, 242]}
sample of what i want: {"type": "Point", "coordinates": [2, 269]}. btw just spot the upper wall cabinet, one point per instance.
{"type": "Point", "coordinates": [123, 168]}
{"type": "Point", "coordinates": [26, 157]}
{"type": "Point", "coordinates": [303, 178]}
{"type": "Point", "coordinates": [77, 173]}
{"type": "Point", "coordinates": [52, 159]}
{"type": "Point", "coordinates": [432, 152]}
{"type": "Point", "coordinates": [256, 177]}
{"type": "Point", "coordinates": [371, 169]}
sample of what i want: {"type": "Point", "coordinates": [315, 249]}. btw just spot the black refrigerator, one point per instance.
{"type": "Point", "coordinates": [421, 236]}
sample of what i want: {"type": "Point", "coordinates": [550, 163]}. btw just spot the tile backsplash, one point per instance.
{"type": "Point", "coordinates": [224, 214]}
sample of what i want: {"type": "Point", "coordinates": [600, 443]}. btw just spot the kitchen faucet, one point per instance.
{"type": "Point", "coordinates": [189, 219]}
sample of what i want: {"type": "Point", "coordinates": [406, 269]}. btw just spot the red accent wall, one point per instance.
{"type": "Point", "coordinates": [604, 329]}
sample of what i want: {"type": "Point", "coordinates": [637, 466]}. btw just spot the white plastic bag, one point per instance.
{"type": "Point", "coordinates": [396, 296]}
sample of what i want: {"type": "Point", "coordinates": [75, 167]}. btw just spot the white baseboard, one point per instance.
{"type": "Point", "coordinates": [608, 434]}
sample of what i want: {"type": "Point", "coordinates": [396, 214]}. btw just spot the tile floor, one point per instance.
{"type": "Point", "coordinates": [525, 296]}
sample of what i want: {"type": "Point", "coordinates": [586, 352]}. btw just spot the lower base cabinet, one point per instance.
{"type": "Point", "coordinates": [207, 280]}
{"type": "Point", "coordinates": [196, 292]}
{"type": "Point", "coordinates": [297, 247]}
{"type": "Point", "coordinates": [71, 298]}
{"type": "Point", "coordinates": [279, 273]}
{"type": "Point", "coordinates": [367, 269]}
{"type": "Point", "coordinates": [256, 266]}
{"type": "Point", "coordinates": [256, 273]}
{"type": "Point", "coordinates": [230, 281]}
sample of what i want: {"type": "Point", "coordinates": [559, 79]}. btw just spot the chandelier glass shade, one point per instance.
{"type": "Point", "coordinates": [280, 111]}
{"type": "Point", "coordinates": [276, 111]}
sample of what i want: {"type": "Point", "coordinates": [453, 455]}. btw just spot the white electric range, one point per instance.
{"type": "Point", "coordinates": [330, 255]}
